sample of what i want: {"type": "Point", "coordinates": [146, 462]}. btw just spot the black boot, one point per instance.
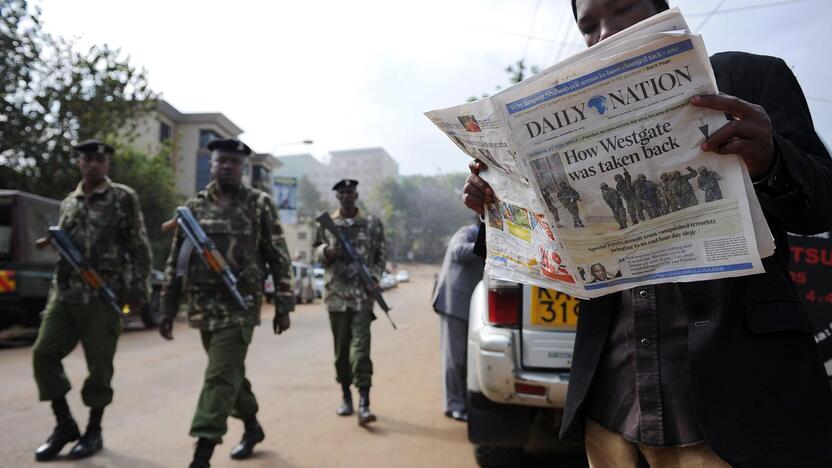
{"type": "Point", "coordinates": [65, 432]}
{"type": "Point", "coordinates": [365, 416]}
{"type": "Point", "coordinates": [202, 453]}
{"type": "Point", "coordinates": [253, 435]}
{"type": "Point", "coordinates": [346, 403]}
{"type": "Point", "coordinates": [91, 442]}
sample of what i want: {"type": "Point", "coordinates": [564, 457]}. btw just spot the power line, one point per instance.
{"type": "Point", "coordinates": [748, 8]}
{"type": "Point", "coordinates": [711, 14]}
{"type": "Point", "coordinates": [531, 29]}
{"type": "Point", "coordinates": [819, 99]}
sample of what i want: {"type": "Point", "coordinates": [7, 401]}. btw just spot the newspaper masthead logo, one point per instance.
{"type": "Point", "coordinates": [651, 87]}
{"type": "Point", "coordinates": [643, 90]}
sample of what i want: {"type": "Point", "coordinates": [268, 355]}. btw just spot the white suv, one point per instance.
{"type": "Point", "coordinates": [520, 342]}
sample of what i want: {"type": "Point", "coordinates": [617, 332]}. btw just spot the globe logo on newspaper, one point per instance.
{"type": "Point", "coordinates": [599, 103]}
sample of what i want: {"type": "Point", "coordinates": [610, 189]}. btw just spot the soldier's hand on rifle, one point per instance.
{"type": "Point", "coordinates": [166, 327]}
{"type": "Point", "coordinates": [372, 288]}
{"type": "Point", "coordinates": [281, 323]}
{"type": "Point", "coordinates": [332, 252]}
{"type": "Point", "coordinates": [477, 193]}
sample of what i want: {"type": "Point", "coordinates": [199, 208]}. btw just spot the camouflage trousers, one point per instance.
{"type": "Point", "coordinates": [351, 336]}
{"type": "Point", "coordinates": [226, 391]}
{"type": "Point", "coordinates": [97, 327]}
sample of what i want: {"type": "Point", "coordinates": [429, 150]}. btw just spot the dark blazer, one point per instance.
{"type": "Point", "coordinates": [759, 388]}
{"type": "Point", "coordinates": [461, 271]}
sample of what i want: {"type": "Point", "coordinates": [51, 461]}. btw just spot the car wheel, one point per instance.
{"type": "Point", "coordinates": [151, 313]}
{"type": "Point", "coordinates": [497, 457]}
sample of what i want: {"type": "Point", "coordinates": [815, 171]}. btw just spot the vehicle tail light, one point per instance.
{"type": "Point", "coordinates": [8, 281]}
{"type": "Point", "coordinates": [504, 303]}
{"type": "Point", "coordinates": [529, 389]}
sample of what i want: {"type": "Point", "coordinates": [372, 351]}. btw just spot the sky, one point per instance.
{"type": "Point", "coordinates": [361, 73]}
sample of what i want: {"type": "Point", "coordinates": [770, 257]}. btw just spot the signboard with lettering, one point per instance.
{"type": "Point", "coordinates": [285, 192]}
{"type": "Point", "coordinates": [811, 268]}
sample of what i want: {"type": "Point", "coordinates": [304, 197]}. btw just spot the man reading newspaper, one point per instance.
{"type": "Point", "coordinates": [721, 372]}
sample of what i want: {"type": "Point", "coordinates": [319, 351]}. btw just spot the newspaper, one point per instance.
{"type": "Point", "coordinates": [600, 179]}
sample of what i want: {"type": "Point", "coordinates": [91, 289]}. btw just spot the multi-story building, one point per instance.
{"type": "Point", "coordinates": [188, 135]}
{"type": "Point", "coordinates": [369, 166]}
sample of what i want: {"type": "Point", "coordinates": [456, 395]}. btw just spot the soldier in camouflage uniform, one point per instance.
{"type": "Point", "coordinates": [708, 182]}
{"type": "Point", "coordinates": [624, 187]}
{"type": "Point", "coordinates": [570, 198]}
{"type": "Point", "coordinates": [683, 189]}
{"type": "Point", "coordinates": [104, 221]}
{"type": "Point", "coordinates": [670, 194]}
{"type": "Point", "coordinates": [244, 225]}
{"type": "Point", "coordinates": [613, 199]}
{"type": "Point", "coordinates": [349, 304]}
{"type": "Point", "coordinates": [648, 196]}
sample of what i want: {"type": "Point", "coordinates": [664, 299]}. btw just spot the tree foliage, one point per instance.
{"type": "Point", "coordinates": [153, 179]}
{"type": "Point", "coordinates": [310, 202]}
{"type": "Point", "coordinates": [52, 96]}
{"type": "Point", "coordinates": [421, 213]}
{"type": "Point", "coordinates": [517, 72]}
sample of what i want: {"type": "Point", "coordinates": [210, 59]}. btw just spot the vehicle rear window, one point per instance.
{"type": "Point", "coordinates": [5, 232]}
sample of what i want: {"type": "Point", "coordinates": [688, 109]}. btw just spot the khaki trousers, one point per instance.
{"type": "Point", "coordinates": [606, 449]}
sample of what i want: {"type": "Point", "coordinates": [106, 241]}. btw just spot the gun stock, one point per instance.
{"type": "Point", "coordinates": [208, 252]}
{"type": "Point", "coordinates": [61, 242]}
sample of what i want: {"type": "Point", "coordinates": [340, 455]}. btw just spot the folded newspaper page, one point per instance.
{"type": "Point", "coordinates": [597, 166]}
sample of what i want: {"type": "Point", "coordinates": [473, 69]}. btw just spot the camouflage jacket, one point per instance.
{"type": "Point", "coordinates": [249, 236]}
{"type": "Point", "coordinates": [107, 227]}
{"type": "Point", "coordinates": [344, 289]}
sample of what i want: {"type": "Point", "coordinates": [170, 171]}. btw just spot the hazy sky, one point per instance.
{"type": "Point", "coordinates": [359, 73]}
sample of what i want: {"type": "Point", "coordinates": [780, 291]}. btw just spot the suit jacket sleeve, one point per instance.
{"type": "Point", "coordinates": [807, 209]}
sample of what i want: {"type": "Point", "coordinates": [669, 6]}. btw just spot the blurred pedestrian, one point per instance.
{"type": "Point", "coordinates": [104, 222]}
{"type": "Point", "coordinates": [461, 271]}
{"type": "Point", "coordinates": [244, 224]}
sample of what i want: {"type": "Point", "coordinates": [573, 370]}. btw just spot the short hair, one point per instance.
{"type": "Point", "coordinates": [661, 5]}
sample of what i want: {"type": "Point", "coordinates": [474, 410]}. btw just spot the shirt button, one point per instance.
{"type": "Point", "coordinates": [645, 341]}
{"type": "Point", "coordinates": [642, 293]}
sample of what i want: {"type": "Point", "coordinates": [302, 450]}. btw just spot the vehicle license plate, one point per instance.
{"type": "Point", "coordinates": [550, 308]}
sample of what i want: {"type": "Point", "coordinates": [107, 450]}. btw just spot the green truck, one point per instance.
{"type": "Point", "coordinates": [26, 270]}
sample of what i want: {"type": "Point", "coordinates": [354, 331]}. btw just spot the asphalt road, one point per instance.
{"type": "Point", "coordinates": [157, 384]}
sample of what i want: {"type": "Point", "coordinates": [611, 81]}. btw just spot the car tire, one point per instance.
{"type": "Point", "coordinates": [497, 457]}
{"type": "Point", "coordinates": [151, 313]}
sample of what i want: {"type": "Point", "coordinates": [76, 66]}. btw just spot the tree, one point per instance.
{"type": "Point", "coordinates": [152, 177]}
{"type": "Point", "coordinates": [421, 213]}
{"type": "Point", "coordinates": [310, 201]}
{"type": "Point", "coordinates": [52, 96]}
{"type": "Point", "coordinates": [516, 73]}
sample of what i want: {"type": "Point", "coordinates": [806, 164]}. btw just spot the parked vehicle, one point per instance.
{"type": "Point", "coordinates": [303, 287]}
{"type": "Point", "coordinates": [388, 281]}
{"type": "Point", "coordinates": [318, 281]}
{"type": "Point", "coordinates": [402, 276]}
{"type": "Point", "coordinates": [25, 270]}
{"type": "Point", "coordinates": [520, 342]}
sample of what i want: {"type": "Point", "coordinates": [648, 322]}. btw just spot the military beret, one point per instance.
{"type": "Point", "coordinates": [661, 5]}
{"type": "Point", "coordinates": [230, 144]}
{"type": "Point", "coordinates": [345, 184]}
{"type": "Point", "coordinates": [94, 147]}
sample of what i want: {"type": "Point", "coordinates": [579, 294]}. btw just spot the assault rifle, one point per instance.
{"type": "Point", "coordinates": [353, 257]}
{"type": "Point", "coordinates": [57, 238]}
{"type": "Point", "coordinates": [207, 249]}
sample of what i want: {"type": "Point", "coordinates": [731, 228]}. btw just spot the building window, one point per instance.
{"type": "Point", "coordinates": [164, 132]}
{"type": "Point", "coordinates": [205, 136]}
{"type": "Point", "coordinates": [203, 170]}
{"type": "Point", "coordinates": [301, 235]}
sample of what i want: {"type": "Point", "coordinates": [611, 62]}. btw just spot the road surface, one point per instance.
{"type": "Point", "coordinates": [157, 384]}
